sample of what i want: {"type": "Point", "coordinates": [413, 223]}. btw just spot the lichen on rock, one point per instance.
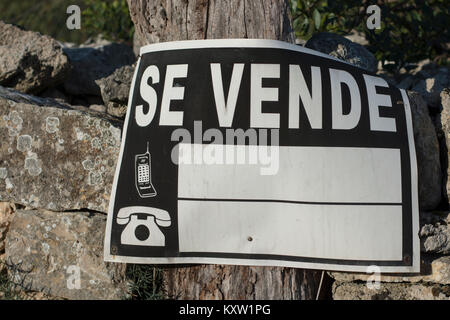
{"type": "Point", "coordinates": [44, 160]}
{"type": "Point", "coordinates": [47, 251]}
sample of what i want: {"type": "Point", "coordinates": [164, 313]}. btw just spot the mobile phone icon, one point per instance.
{"type": "Point", "coordinates": [144, 184]}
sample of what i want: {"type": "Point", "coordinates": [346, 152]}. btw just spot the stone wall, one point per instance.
{"type": "Point", "coordinates": [58, 152]}
{"type": "Point", "coordinates": [61, 115]}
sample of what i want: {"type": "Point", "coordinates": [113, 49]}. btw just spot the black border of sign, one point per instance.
{"type": "Point", "coordinates": [410, 263]}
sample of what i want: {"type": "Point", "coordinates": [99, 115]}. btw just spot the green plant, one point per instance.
{"type": "Point", "coordinates": [16, 285]}
{"type": "Point", "coordinates": [311, 16]}
{"type": "Point", "coordinates": [7, 291]}
{"type": "Point", "coordinates": [146, 282]}
{"type": "Point", "coordinates": [109, 18]}
{"type": "Point", "coordinates": [47, 17]}
{"type": "Point", "coordinates": [411, 30]}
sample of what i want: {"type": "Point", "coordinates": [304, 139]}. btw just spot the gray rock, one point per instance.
{"type": "Point", "coordinates": [344, 49]}
{"type": "Point", "coordinates": [431, 87]}
{"type": "Point", "coordinates": [45, 249]}
{"type": "Point", "coordinates": [390, 291]}
{"type": "Point", "coordinates": [26, 295]}
{"type": "Point", "coordinates": [432, 270]}
{"type": "Point", "coordinates": [445, 99]}
{"type": "Point", "coordinates": [2, 265]}
{"type": "Point", "coordinates": [427, 152]}
{"type": "Point", "coordinates": [115, 90]}
{"type": "Point", "coordinates": [116, 109]}
{"type": "Point", "coordinates": [422, 67]}
{"type": "Point", "coordinates": [94, 62]}
{"type": "Point", "coordinates": [56, 94]}
{"type": "Point", "coordinates": [443, 128]}
{"type": "Point", "coordinates": [300, 42]}
{"type": "Point", "coordinates": [435, 233]}
{"type": "Point", "coordinates": [415, 77]}
{"type": "Point", "coordinates": [407, 82]}
{"type": "Point", "coordinates": [357, 37]}
{"type": "Point", "coordinates": [98, 108]}
{"type": "Point", "coordinates": [6, 213]}
{"type": "Point", "coordinates": [29, 61]}
{"type": "Point", "coordinates": [54, 156]}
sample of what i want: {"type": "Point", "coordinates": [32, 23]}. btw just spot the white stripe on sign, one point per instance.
{"type": "Point", "coordinates": [304, 174]}
{"type": "Point", "coordinates": [350, 232]}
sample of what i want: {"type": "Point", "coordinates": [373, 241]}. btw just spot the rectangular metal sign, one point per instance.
{"type": "Point", "coordinates": [259, 152]}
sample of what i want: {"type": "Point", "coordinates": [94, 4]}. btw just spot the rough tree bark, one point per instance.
{"type": "Point", "coordinates": [167, 20]}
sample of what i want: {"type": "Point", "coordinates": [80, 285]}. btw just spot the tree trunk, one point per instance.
{"type": "Point", "coordinates": [240, 282]}
{"type": "Point", "coordinates": [159, 20]}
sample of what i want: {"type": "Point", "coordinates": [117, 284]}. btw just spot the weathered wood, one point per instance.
{"type": "Point", "coordinates": [240, 282]}
{"type": "Point", "coordinates": [159, 20]}
{"type": "Point", "coordinates": [163, 20]}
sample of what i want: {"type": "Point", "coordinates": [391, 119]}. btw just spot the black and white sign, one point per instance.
{"type": "Point", "coordinates": [259, 152]}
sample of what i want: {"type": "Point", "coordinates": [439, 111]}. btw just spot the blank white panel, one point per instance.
{"type": "Point", "coordinates": [314, 174]}
{"type": "Point", "coordinates": [351, 232]}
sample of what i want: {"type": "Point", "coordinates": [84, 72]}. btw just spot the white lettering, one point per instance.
{"type": "Point", "coordinates": [171, 92]}
{"type": "Point", "coordinates": [258, 94]}
{"type": "Point", "coordinates": [149, 95]}
{"type": "Point", "coordinates": [225, 110]}
{"type": "Point", "coordinates": [339, 119]}
{"type": "Point", "coordinates": [312, 102]}
{"type": "Point", "coordinates": [376, 100]}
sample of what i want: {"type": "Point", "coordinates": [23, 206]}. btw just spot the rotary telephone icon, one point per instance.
{"type": "Point", "coordinates": [150, 234]}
